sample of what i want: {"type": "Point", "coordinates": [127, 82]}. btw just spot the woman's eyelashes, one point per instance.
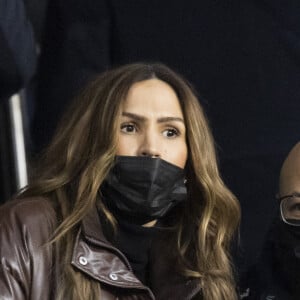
{"type": "Point", "coordinates": [129, 128]}
{"type": "Point", "coordinates": [167, 131]}
{"type": "Point", "coordinates": [171, 132]}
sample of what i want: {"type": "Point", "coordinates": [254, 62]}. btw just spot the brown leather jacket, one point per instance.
{"type": "Point", "coordinates": [27, 264]}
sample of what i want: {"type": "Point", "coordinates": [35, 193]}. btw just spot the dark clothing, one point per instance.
{"type": "Point", "coordinates": [36, 10]}
{"type": "Point", "coordinates": [134, 241]}
{"type": "Point", "coordinates": [28, 264]}
{"type": "Point", "coordinates": [18, 60]}
{"type": "Point", "coordinates": [260, 289]}
{"type": "Point", "coordinates": [18, 55]}
{"type": "Point", "coordinates": [242, 57]}
{"type": "Point", "coordinates": [277, 273]}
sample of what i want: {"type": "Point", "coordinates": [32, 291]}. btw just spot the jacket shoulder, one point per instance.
{"type": "Point", "coordinates": [26, 225]}
{"type": "Point", "coordinates": [35, 214]}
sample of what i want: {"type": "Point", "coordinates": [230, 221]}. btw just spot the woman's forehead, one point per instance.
{"type": "Point", "coordinates": [150, 96]}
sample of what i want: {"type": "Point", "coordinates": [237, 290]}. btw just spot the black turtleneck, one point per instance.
{"type": "Point", "coordinates": [134, 241]}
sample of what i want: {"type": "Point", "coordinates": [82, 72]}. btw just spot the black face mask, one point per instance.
{"type": "Point", "coordinates": [286, 250]}
{"type": "Point", "coordinates": [141, 189]}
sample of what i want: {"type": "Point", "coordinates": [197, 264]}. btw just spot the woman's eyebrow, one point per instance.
{"type": "Point", "coordinates": [133, 116]}
{"type": "Point", "coordinates": [170, 119]}
{"type": "Point", "coordinates": [159, 120]}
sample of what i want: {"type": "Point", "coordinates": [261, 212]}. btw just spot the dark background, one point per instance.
{"type": "Point", "coordinates": [243, 58]}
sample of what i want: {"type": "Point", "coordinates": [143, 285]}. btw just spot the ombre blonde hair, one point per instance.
{"type": "Point", "coordinates": [81, 154]}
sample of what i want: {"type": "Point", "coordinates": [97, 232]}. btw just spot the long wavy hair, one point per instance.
{"type": "Point", "coordinates": [82, 153]}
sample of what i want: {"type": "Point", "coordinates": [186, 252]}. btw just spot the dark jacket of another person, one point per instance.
{"type": "Point", "coordinates": [18, 55]}
{"type": "Point", "coordinates": [28, 263]}
{"type": "Point", "coordinates": [276, 274]}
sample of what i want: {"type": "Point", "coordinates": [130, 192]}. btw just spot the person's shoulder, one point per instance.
{"type": "Point", "coordinates": [27, 207]}
{"type": "Point", "coordinates": [26, 228]}
{"type": "Point", "coordinates": [34, 215]}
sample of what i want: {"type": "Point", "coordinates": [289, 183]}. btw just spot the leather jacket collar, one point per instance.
{"type": "Point", "coordinates": [95, 256]}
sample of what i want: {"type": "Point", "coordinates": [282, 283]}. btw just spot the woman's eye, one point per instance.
{"type": "Point", "coordinates": [128, 128]}
{"type": "Point", "coordinates": [171, 133]}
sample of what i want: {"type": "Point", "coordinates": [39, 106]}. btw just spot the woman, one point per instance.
{"type": "Point", "coordinates": [127, 202]}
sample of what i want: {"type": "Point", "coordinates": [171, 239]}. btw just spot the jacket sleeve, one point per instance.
{"type": "Point", "coordinates": [25, 261]}
{"type": "Point", "coordinates": [18, 55]}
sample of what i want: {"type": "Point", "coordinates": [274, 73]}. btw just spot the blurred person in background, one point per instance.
{"type": "Point", "coordinates": [277, 275]}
